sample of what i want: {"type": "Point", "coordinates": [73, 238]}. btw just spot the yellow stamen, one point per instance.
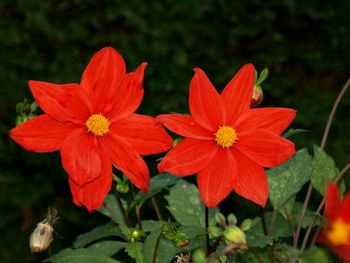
{"type": "Point", "coordinates": [339, 233]}
{"type": "Point", "coordinates": [226, 136]}
{"type": "Point", "coordinates": [97, 124]}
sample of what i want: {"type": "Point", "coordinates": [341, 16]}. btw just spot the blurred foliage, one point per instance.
{"type": "Point", "coordinates": [305, 45]}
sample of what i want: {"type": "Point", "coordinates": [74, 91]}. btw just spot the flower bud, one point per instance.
{"type": "Point", "coordinates": [198, 256]}
{"type": "Point", "coordinates": [257, 96]}
{"type": "Point", "coordinates": [234, 235]}
{"type": "Point", "coordinates": [122, 187]}
{"type": "Point", "coordinates": [220, 219]}
{"type": "Point", "coordinates": [246, 224]}
{"type": "Point", "coordinates": [232, 219]}
{"type": "Point", "coordinates": [214, 231]}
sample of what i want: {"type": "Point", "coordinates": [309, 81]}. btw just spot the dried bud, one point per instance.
{"type": "Point", "coordinates": [257, 96]}
{"type": "Point", "coordinates": [42, 236]}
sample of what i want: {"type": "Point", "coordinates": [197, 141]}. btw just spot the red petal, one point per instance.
{"type": "Point", "coordinates": [129, 95]}
{"type": "Point", "coordinates": [102, 77]}
{"type": "Point", "coordinates": [344, 252]}
{"type": "Point", "coordinates": [41, 134]}
{"type": "Point", "coordinates": [81, 157]}
{"type": "Point", "coordinates": [215, 182]}
{"type": "Point", "coordinates": [52, 98]}
{"type": "Point", "coordinates": [188, 157]}
{"type": "Point", "coordinates": [206, 105]}
{"type": "Point", "coordinates": [126, 159]}
{"type": "Point", "coordinates": [265, 148]}
{"type": "Point", "coordinates": [238, 93]}
{"type": "Point", "coordinates": [275, 120]}
{"type": "Point", "coordinates": [333, 202]}
{"type": "Point", "coordinates": [185, 126]}
{"type": "Point", "coordinates": [345, 208]}
{"type": "Point", "coordinates": [79, 106]}
{"type": "Point", "coordinates": [92, 194]}
{"type": "Point", "coordinates": [251, 181]}
{"type": "Point", "coordinates": [143, 133]}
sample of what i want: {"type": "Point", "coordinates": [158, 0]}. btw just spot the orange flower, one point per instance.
{"type": "Point", "coordinates": [226, 142]}
{"type": "Point", "coordinates": [93, 125]}
{"type": "Point", "coordinates": [336, 234]}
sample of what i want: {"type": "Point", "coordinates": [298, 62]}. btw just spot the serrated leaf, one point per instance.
{"type": "Point", "coordinates": [292, 132]}
{"type": "Point", "coordinates": [324, 170]}
{"type": "Point", "coordinates": [164, 254]}
{"type": "Point", "coordinates": [80, 255]}
{"type": "Point", "coordinates": [107, 230]}
{"type": "Point", "coordinates": [134, 250]}
{"type": "Point", "coordinates": [186, 205]}
{"type": "Point", "coordinates": [156, 185]}
{"type": "Point", "coordinates": [111, 209]}
{"type": "Point", "coordinates": [258, 240]}
{"type": "Point", "coordinates": [108, 247]}
{"type": "Point", "coordinates": [287, 179]}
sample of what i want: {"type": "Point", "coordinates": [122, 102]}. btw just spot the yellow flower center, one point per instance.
{"type": "Point", "coordinates": [226, 136]}
{"type": "Point", "coordinates": [339, 234]}
{"type": "Point", "coordinates": [97, 124]}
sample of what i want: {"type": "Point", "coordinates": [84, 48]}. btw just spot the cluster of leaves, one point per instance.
{"type": "Point", "coordinates": [184, 235]}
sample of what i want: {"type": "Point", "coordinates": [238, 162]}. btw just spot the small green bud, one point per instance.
{"type": "Point", "coordinates": [198, 256]}
{"type": "Point", "coordinates": [122, 187]}
{"type": "Point", "coordinates": [136, 234]}
{"type": "Point", "coordinates": [246, 224]}
{"type": "Point", "coordinates": [214, 231]}
{"type": "Point", "coordinates": [234, 235]}
{"type": "Point", "coordinates": [220, 219]}
{"type": "Point", "coordinates": [232, 219]}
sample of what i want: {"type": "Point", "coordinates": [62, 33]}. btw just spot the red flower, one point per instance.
{"type": "Point", "coordinates": [226, 142]}
{"type": "Point", "coordinates": [337, 231]}
{"type": "Point", "coordinates": [94, 125]}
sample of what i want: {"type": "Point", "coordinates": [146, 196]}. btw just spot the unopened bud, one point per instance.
{"type": "Point", "coordinates": [198, 256]}
{"type": "Point", "coordinates": [220, 219]}
{"type": "Point", "coordinates": [122, 187]}
{"type": "Point", "coordinates": [232, 219]}
{"type": "Point", "coordinates": [234, 235]}
{"type": "Point", "coordinates": [257, 96]}
{"type": "Point", "coordinates": [246, 224]}
{"type": "Point", "coordinates": [214, 231]}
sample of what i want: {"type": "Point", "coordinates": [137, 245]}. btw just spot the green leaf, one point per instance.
{"type": "Point", "coordinates": [80, 255]}
{"type": "Point", "coordinates": [134, 250]}
{"type": "Point", "coordinates": [324, 170]}
{"type": "Point", "coordinates": [111, 209]}
{"type": "Point", "coordinates": [263, 75]}
{"type": "Point", "coordinates": [107, 230]}
{"type": "Point", "coordinates": [187, 207]}
{"type": "Point", "coordinates": [287, 179]}
{"type": "Point", "coordinates": [150, 225]}
{"type": "Point", "coordinates": [109, 247]}
{"type": "Point", "coordinates": [314, 254]}
{"type": "Point", "coordinates": [166, 250]}
{"type": "Point", "coordinates": [292, 132]}
{"type": "Point", "coordinates": [156, 185]}
{"type": "Point", "coordinates": [258, 240]}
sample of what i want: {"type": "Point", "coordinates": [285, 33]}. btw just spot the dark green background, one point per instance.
{"type": "Point", "coordinates": [305, 44]}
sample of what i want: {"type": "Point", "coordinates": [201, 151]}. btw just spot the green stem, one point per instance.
{"type": "Point", "coordinates": [155, 252]}
{"type": "Point", "coordinates": [156, 208]}
{"type": "Point", "coordinates": [125, 215]}
{"type": "Point", "coordinates": [263, 220]}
